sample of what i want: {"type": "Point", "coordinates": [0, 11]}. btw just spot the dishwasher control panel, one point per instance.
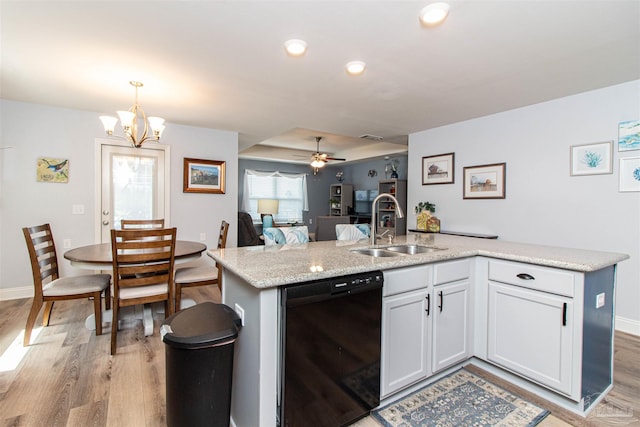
{"type": "Point", "coordinates": [356, 281]}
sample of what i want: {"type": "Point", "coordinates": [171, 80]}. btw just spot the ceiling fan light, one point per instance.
{"type": "Point", "coordinates": [355, 68]}
{"type": "Point", "coordinates": [316, 163]}
{"type": "Point", "coordinates": [434, 13]}
{"type": "Point", "coordinates": [295, 47]}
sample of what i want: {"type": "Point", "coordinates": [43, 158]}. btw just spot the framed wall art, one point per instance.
{"type": "Point", "coordinates": [592, 159]}
{"type": "Point", "coordinates": [49, 169]}
{"type": "Point", "coordinates": [630, 174]}
{"type": "Point", "coordinates": [629, 135]}
{"type": "Point", "coordinates": [484, 181]}
{"type": "Point", "coordinates": [203, 176]}
{"type": "Point", "coordinates": [438, 169]}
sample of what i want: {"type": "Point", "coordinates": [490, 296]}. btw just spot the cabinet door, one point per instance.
{"type": "Point", "coordinates": [451, 324]}
{"type": "Point", "coordinates": [530, 332]}
{"type": "Point", "coordinates": [404, 340]}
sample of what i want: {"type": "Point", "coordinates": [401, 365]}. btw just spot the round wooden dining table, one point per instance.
{"type": "Point", "coordinates": [100, 257]}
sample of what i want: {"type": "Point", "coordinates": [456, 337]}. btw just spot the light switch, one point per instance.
{"type": "Point", "coordinates": [77, 209]}
{"type": "Point", "coordinates": [66, 243]}
{"type": "Point", "coordinates": [203, 237]}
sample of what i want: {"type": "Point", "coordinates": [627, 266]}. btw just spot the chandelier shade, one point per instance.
{"type": "Point", "coordinates": [129, 122]}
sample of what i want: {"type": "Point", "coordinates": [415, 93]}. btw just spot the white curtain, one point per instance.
{"type": "Point", "coordinates": [286, 185]}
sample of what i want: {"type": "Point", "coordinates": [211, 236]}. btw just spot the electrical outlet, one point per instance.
{"type": "Point", "coordinates": [310, 221]}
{"type": "Point", "coordinates": [240, 312]}
{"type": "Point", "coordinates": [203, 237]}
{"type": "Point", "coordinates": [66, 243]}
{"type": "Point", "coordinates": [77, 209]}
{"type": "Point", "coordinates": [600, 300]}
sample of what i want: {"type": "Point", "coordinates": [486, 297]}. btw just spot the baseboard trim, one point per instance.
{"type": "Point", "coordinates": [629, 326]}
{"type": "Point", "coordinates": [16, 293]}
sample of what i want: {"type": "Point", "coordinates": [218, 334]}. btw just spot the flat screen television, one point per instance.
{"type": "Point", "coordinates": [363, 201]}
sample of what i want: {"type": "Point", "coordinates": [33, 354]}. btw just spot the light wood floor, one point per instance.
{"type": "Point", "coordinates": [67, 377]}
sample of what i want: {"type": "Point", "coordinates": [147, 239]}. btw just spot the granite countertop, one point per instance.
{"type": "Point", "coordinates": [269, 266]}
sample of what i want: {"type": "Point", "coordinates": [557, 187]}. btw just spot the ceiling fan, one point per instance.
{"type": "Point", "coordinates": [318, 159]}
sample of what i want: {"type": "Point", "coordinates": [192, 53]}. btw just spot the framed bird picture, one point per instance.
{"type": "Point", "coordinates": [52, 170]}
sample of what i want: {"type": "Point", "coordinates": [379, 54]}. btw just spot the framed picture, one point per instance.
{"type": "Point", "coordinates": [485, 181]}
{"type": "Point", "coordinates": [203, 176]}
{"type": "Point", "coordinates": [438, 169]}
{"type": "Point", "coordinates": [49, 169]}
{"type": "Point", "coordinates": [629, 135]}
{"type": "Point", "coordinates": [630, 174]}
{"type": "Point", "coordinates": [592, 159]}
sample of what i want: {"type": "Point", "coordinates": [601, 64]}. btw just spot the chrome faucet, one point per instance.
{"type": "Point", "coordinates": [399, 214]}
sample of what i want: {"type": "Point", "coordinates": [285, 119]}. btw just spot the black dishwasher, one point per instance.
{"type": "Point", "coordinates": [330, 364]}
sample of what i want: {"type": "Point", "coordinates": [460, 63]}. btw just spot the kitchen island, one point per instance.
{"type": "Point", "coordinates": [252, 277]}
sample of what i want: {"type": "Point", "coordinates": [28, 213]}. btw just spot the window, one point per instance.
{"type": "Point", "coordinates": [289, 189]}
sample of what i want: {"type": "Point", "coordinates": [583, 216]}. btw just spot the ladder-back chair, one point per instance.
{"type": "Point", "coordinates": [50, 287]}
{"type": "Point", "coordinates": [143, 263]}
{"type": "Point", "coordinates": [201, 276]}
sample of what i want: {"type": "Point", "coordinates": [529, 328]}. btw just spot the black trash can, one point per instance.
{"type": "Point", "coordinates": [199, 345]}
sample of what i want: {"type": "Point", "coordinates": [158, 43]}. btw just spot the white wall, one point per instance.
{"type": "Point", "coordinates": [544, 204]}
{"type": "Point", "coordinates": [37, 130]}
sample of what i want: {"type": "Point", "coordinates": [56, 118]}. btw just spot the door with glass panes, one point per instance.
{"type": "Point", "coordinates": [134, 184]}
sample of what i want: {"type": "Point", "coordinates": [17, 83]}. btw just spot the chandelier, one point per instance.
{"type": "Point", "coordinates": [129, 122]}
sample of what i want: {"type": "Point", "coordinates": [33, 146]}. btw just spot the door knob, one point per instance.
{"type": "Point", "coordinates": [105, 212]}
{"type": "Point", "coordinates": [105, 222]}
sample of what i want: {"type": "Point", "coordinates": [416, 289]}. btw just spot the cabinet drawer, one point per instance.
{"type": "Point", "coordinates": [405, 279]}
{"type": "Point", "coordinates": [451, 271]}
{"type": "Point", "coordinates": [544, 279]}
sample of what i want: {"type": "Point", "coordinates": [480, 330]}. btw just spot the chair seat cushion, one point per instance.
{"type": "Point", "coordinates": [76, 285]}
{"type": "Point", "coordinates": [196, 274]}
{"type": "Point", "coordinates": [143, 291]}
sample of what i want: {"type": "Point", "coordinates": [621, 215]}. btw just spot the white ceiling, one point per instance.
{"type": "Point", "coordinates": [221, 64]}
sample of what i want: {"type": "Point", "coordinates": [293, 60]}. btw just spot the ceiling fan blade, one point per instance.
{"type": "Point", "coordinates": [335, 158]}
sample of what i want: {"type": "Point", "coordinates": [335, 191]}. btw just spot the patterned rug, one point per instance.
{"type": "Point", "coordinates": [458, 400]}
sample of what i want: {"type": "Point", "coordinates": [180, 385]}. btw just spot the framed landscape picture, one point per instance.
{"type": "Point", "coordinates": [629, 135]}
{"type": "Point", "coordinates": [592, 159]}
{"type": "Point", "coordinates": [438, 169]}
{"type": "Point", "coordinates": [484, 181]}
{"type": "Point", "coordinates": [203, 176]}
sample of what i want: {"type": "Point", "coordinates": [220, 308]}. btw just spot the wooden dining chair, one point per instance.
{"type": "Point", "coordinates": [127, 224]}
{"type": "Point", "coordinates": [50, 287]}
{"type": "Point", "coordinates": [187, 277]}
{"type": "Point", "coordinates": [143, 263]}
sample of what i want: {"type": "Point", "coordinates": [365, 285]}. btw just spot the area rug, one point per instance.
{"type": "Point", "coordinates": [461, 399]}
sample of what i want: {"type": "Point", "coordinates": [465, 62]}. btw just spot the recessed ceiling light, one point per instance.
{"type": "Point", "coordinates": [434, 13]}
{"type": "Point", "coordinates": [355, 68]}
{"type": "Point", "coordinates": [295, 47]}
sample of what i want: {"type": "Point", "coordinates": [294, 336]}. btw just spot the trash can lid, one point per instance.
{"type": "Point", "coordinates": [203, 325]}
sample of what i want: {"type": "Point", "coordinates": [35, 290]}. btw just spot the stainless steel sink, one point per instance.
{"type": "Point", "coordinates": [375, 252]}
{"type": "Point", "coordinates": [413, 249]}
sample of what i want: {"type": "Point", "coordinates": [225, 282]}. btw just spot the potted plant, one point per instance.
{"type": "Point", "coordinates": [335, 204]}
{"type": "Point", "coordinates": [424, 219]}
{"type": "Point", "coordinates": [425, 206]}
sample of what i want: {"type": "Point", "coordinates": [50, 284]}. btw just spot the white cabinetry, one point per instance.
{"type": "Point", "coordinates": [405, 328]}
{"type": "Point", "coordinates": [425, 329]}
{"type": "Point", "coordinates": [452, 313]}
{"type": "Point", "coordinates": [531, 325]}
